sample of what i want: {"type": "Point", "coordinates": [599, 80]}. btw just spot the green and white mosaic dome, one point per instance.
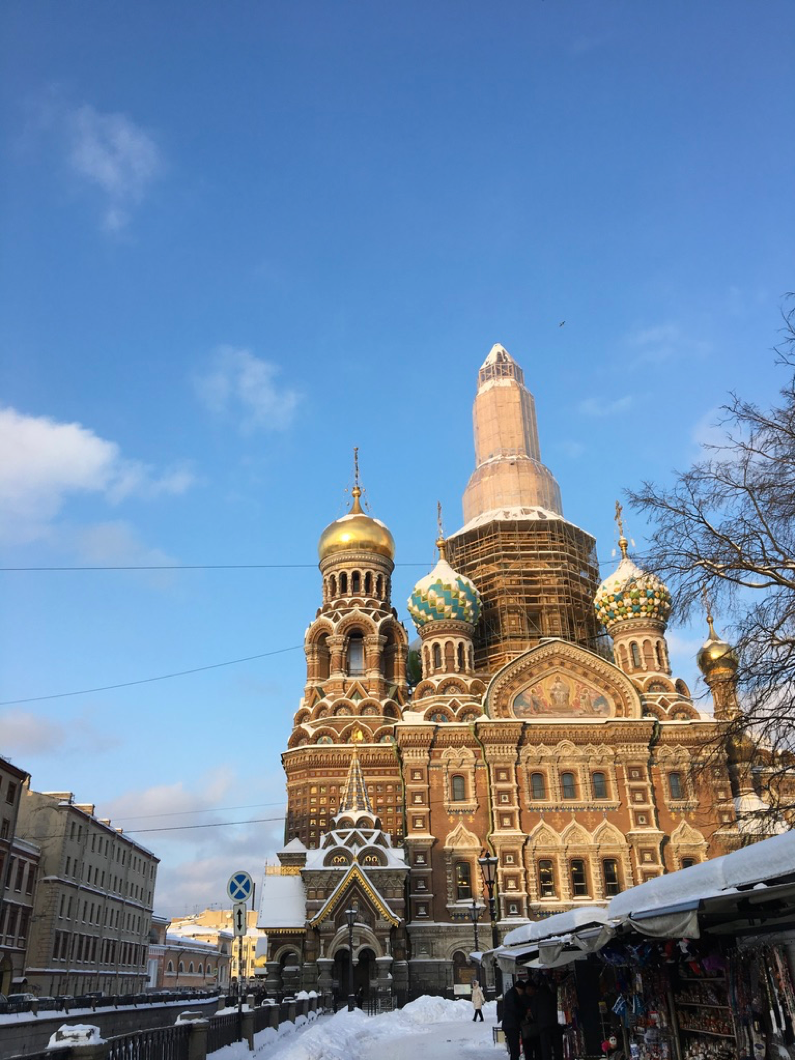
{"type": "Point", "coordinates": [444, 594]}
{"type": "Point", "coordinates": [630, 592]}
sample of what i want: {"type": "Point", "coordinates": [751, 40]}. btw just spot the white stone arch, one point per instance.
{"type": "Point", "coordinates": [574, 835]}
{"type": "Point", "coordinates": [363, 939]}
{"type": "Point", "coordinates": [543, 844]}
{"type": "Point", "coordinates": [687, 842]}
{"type": "Point", "coordinates": [461, 845]}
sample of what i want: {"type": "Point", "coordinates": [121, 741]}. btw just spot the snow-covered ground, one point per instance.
{"type": "Point", "coordinates": [430, 1028]}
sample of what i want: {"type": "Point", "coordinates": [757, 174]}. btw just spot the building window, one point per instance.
{"type": "Point", "coordinates": [675, 785]}
{"type": "Point", "coordinates": [463, 881]}
{"type": "Point", "coordinates": [610, 875]}
{"type": "Point", "coordinates": [356, 655]}
{"type": "Point", "coordinates": [11, 793]}
{"type": "Point", "coordinates": [546, 879]}
{"type": "Point", "coordinates": [538, 786]}
{"type": "Point", "coordinates": [568, 786]}
{"type": "Point", "coordinates": [579, 879]}
{"type": "Point", "coordinates": [687, 862]}
{"type": "Point", "coordinates": [635, 652]}
{"type": "Point", "coordinates": [599, 786]}
{"type": "Point", "coordinates": [458, 788]}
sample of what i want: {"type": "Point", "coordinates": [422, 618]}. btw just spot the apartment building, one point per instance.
{"type": "Point", "coordinates": [92, 908]}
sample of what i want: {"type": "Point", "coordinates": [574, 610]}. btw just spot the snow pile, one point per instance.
{"type": "Point", "coordinates": [430, 1026]}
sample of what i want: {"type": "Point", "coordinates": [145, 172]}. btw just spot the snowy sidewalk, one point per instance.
{"type": "Point", "coordinates": [430, 1028]}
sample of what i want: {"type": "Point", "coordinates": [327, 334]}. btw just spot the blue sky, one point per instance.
{"type": "Point", "coordinates": [242, 238]}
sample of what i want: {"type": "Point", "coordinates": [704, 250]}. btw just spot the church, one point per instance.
{"type": "Point", "coordinates": [531, 746]}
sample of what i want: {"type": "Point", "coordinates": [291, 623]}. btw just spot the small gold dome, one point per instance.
{"type": "Point", "coordinates": [716, 653]}
{"type": "Point", "coordinates": [356, 532]}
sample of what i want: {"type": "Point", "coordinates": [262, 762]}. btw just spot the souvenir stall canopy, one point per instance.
{"type": "Point", "coordinates": [695, 965]}
{"type": "Point", "coordinates": [554, 941]}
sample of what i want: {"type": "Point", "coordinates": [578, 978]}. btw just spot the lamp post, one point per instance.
{"type": "Point", "coordinates": [474, 913]}
{"type": "Point", "coordinates": [488, 870]}
{"type": "Point", "coordinates": [351, 917]}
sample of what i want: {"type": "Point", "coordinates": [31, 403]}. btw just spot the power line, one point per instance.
{"type": "Point", "coordinates": [207, 809]}
{"type": "Point", "coordinates": [148, 680]}
{"type": "Point", "coordinates": [219, 824]}
{"type": "Point", "coordinates": [194, 566]}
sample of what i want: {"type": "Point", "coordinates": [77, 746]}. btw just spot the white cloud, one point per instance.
{"type": "Point", "coordinates": [27, 734]}
{"type": "Point", "coordinates": [243, 387]}
{"type": "Point", "coordinates": [664, 342]}
{"type": "Point", "coordinates": [594, 407]}
{"type": "Point", "coordinates": [115, 155]}
{"type": "Point", "coordinates": [45, 462]}
{"type": "Point", "coordinates": [198, 861]}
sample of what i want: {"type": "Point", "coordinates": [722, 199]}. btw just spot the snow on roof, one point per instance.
{"type": "Point", "coordinates": [497, 353]}
{"type": "Point", "coordinates": [559, 924]}
{"type": "Point", "coordinates": [509, 515]}
{"type": "Point", "coordinates": [283, 902]}
{"type": "Point", "coordinates": [294, 845]}
{"type": "Point", "coordinates": [759, 863]}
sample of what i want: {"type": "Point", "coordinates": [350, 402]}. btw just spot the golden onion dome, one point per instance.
{"type": "Point", "coordinates": [716, 653]}
{"type": "Point", "coordinates": [356, 532]}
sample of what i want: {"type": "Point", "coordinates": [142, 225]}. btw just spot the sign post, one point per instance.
{"type": "Point", "coordinates": [239, 889]}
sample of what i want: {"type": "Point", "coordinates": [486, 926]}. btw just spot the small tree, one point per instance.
{"type": "Point", "coordinates": [727, 528]}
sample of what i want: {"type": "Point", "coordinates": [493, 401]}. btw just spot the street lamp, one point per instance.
{"type": "Point", "coordinates": [474, 914]}
{"type": "Point", "coordinates": [351, 917]}
{"type": "Point", "coordinates": [488, 870]}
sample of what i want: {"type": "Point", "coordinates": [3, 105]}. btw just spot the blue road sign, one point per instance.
{"type": "Point", "coordinates": [239, 887]}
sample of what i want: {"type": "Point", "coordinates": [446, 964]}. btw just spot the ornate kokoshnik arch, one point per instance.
{"type": "Point", "coordinates": [558, 679]}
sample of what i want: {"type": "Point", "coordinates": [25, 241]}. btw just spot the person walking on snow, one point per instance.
{"type": "Point", "coordinates": [478, 1000]}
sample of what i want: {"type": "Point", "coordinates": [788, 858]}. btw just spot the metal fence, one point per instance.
{"type": "Point", "coordinates": [223, 1030]}
{"type": "Point", "coordinates": [167, 1043]}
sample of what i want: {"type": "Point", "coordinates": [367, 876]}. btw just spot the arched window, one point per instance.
{"type": "Point", "coordinates": [437, 657]}
{"type": "Point", "coordinates": [190, 968]}
{"type": "Point", "coordinates": [181, 968]}
{"type": "Point", "coordinates": [599, 786]}
{"type": "Point", "coordinates": [368, 584]}
{"type": "Point", "coordinates": [635, 652]}
{"type": "Point", "coordinates": [579, 878]}
{"type": "Point", "coordinates": [170, 968]}
{"type": "Point", "coordinates": [463, 881]}
{"type": "Point", "coordinates": [460, 656]}
{"type": "Point", "coordinates": [687, 862]}
{"type": "Point", "coordinates": [356, 582]}
{"type": "Point", "coordinates": [458, 788]}
{"type": "Point", "coordinates": [343, 584]}
{"type": "Point", "coordinates": [675, 785]}
{"type": "Point", "coordinates": [546, 878]}
{"type": "Point", "coordinates": [379, 587]}
{"type": "Point", "coordinates": [538, 786]}
{"type": "Point", "coordinates": [201, 969]}
{"type": "Point", "coordinates": [355, 654]}
{"type": "Point", "coordinates": [323, 657]}
{"type": "Point", "coordinates": [658, 654]}
{"type": "Point", "coordinates": [568, 786]}
{"type": "Point", "coordinates": [449, 656]}
{"type": "Point", "coordinates": [610, 877]}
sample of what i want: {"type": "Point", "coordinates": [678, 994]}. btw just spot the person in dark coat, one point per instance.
{"type": "Point", "coordinates": [514, 1009]}
{"type": "Point", "coordinates": [541, 1036]}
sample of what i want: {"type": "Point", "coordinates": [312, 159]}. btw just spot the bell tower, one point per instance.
{"type": "Point", "coordinates": [356, 684]}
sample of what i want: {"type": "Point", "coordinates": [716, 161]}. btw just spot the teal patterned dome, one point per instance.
{"type": "Point", "coordinates": [444, 594]}
{"type": "Point", "coordinates": [630, 592]}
